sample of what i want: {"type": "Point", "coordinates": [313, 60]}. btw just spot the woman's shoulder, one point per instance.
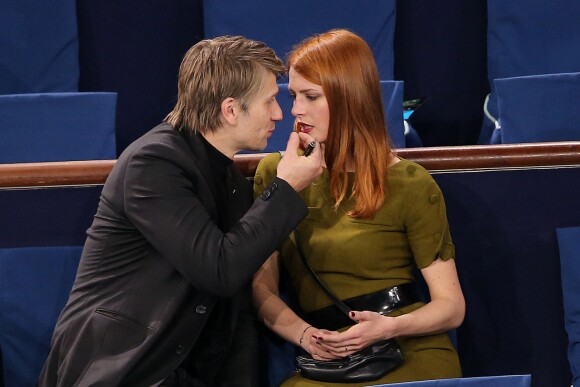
{"type": "Point", "coordinates": [266, 170]}
{"type": "Point", "coordinates": [271, 159]}
{"type": "Point", "coordinates": [411, 171]}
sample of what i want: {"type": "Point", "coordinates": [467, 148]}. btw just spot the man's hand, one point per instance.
{"type": "Point", "coordinates": [300, 171]}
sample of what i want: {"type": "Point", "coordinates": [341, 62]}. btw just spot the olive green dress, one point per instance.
{"type": "Point", "coordinates": [359, 256]}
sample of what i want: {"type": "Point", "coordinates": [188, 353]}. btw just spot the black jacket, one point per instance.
{"type": "Point", "coordinates": [155, 263]}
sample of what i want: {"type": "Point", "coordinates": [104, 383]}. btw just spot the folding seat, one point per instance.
{"type": "Point", "coordinates": [57, 127]}
{"type": "Point", "coordinates": [527, 37]}
{"type": "Point", "coordinates": [39, 46]}
{"type": "Point", "coordinates": [281, 25]}
{"type": "Point", "coordinates": [484, 381]}
{"type": "Point", "coordinates": [537, 108]}
{"type": "Point", "coordinates": [569, 246]}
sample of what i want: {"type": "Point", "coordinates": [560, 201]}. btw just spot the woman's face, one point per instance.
{"type": "Point", "coordinates": [310, 106]}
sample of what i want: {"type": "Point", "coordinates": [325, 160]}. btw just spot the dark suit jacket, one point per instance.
{"type": "Point", "coordinates": [155, 263]}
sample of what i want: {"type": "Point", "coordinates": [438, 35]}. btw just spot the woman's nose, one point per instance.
{"type": "Point", "coordinates": [297, 108]}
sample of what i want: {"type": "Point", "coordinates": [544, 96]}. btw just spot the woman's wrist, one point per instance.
{"type": "Point", "coordinates": [303, 333]}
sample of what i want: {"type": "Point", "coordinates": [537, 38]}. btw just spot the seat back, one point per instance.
{"type": "Point", "coordinates": [486, 381]}
{"type": "Point", "coordinates": [569, 246]}
{"type": "Point", "coordinates": [40, 247]}
{"type": "Point", "coordinates": [57, 127]}
{"type": "Point", "coordinates": [538, 108]}
{"type": "Point", "coordinates": [281, 25]}
{"type": "Point", "coordinates": [34, 283]}
{"type": "Point", "coordinates": [39, 47]}
{"type": "Point", "coordinates": [527, 38]}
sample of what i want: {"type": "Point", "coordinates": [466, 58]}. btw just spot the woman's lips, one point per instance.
{"type": "Point", "coordinates": [305, 128]}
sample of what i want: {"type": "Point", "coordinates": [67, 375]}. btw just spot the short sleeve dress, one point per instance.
{"type": "Point", "coordinates": [360, 256]}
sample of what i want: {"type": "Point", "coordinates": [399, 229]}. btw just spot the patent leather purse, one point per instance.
{"type": "Point", "coordinates": [370, 363]}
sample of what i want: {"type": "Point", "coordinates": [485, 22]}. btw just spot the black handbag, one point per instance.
{"type": "Point", "coordinates": [368, 364]}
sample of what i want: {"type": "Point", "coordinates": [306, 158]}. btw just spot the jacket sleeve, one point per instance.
{"type": "Point", "coordinates": [165, 202]}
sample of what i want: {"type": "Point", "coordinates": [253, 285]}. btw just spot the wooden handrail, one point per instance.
{"type": "Point", "coordinates": [477, 157]}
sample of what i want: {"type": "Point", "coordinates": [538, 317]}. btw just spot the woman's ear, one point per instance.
{"type": "Point", "coordinates": [229, 110]}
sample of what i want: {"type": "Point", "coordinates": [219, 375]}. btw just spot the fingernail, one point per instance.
{"type": "Point", "coordinates": [351, 314]}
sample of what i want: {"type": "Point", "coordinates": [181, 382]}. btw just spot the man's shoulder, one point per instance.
{"type": "Point", "coordinates": [162, 139]}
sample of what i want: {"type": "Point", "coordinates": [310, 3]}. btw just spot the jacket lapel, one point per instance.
{"type": "Point", "coordinates": [201, 158]}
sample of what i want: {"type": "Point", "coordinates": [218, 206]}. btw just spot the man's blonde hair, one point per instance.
{"type": "Point", "coordinates": [215, 69]}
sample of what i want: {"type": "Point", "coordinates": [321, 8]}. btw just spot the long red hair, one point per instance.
{"type": "Point", "coordinates": [343, 64]}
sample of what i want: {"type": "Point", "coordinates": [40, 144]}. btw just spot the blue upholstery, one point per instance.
{"type": "Point", "coordinates": [538, 108]}
{"type": "Point", "coordinates": [38, 46]}
{"type": "Point", "coordinates": [40, 245]}
{"type": "Point", "coordinates": [502, 223]}
{"type": "Point", "coordinates": [57, 127]}
{"type": "Point", "coordinates": [43, 230]}
{"type": "Point", "coordinates": [393, 106]}
{"type": "Point", "coordinates": [34, 286]}
{"type": "Point", "coordinates": [486, 381]}
{"type": "Point", "coordinates": [282, 24]}
{"type": "Point", "coordinates": [569, 244]}
{"type": "Point", "coordinates": [526, 37]}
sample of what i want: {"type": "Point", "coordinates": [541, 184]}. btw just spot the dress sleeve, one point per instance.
{"type": "Point", "coordinates": [266, 172]}
{"type": "Point", "coordinates": [426, 221]}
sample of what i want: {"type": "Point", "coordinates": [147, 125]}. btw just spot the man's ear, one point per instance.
{"type": "Point", "coordinates": [229, 110]}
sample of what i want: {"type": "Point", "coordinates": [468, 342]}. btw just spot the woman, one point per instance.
{"type": "Point", "coordinates": [373, 217]}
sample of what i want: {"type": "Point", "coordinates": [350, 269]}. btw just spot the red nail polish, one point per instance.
{"type": "Point", "coordinates": [351, 314]}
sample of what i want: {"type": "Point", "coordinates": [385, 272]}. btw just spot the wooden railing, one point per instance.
{"type": "Point", "coordinates": [94, 172]}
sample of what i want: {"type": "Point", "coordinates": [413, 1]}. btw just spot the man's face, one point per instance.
{"type": "Point", "coordinates": [257, 124]}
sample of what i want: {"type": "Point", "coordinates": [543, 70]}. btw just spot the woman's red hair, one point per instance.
{"type": "Point", "coordinates": [343, 64]}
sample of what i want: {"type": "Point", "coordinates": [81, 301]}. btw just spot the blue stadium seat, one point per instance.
{"type": "Point", "coordinates": [538, 108]}
{"type": "Point", "coordinates": [281, 24]}
{"type": "Point", "coordinates": [519, 44]}
{"type": "Point", "coordinates": [525, 37]}
{"type": "Point", "coordinates": [44, 229]}
{"type": "Point", "coordinates": [38, 46]}
{"type": "Point", "coordinates": [34, 284]}
{"type": "Point", "coordinates": [485, 381]}
{"type": "Point", "coordinates": [57, 127]}
{"type": "Point", "coordinates": [569, 245]}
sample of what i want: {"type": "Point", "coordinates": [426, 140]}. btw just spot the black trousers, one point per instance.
{"type": "Point", "coordinates": [240, 366]}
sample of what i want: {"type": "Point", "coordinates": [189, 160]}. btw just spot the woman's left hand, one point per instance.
{"type": "Point", "coordinates": [370, 328]}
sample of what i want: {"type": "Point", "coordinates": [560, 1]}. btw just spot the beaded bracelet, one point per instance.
{"type": "Point", "coordinates": [303, 332]}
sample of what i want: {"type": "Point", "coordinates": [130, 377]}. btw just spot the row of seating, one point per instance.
{"type": "Point", "coordinates": [524, 39]}
{"type": "Point", "coordinates": [64, 123]}
{"type": "Point", "coordinates": [505, 225]}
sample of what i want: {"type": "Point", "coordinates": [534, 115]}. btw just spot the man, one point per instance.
{"type": "Point", "coordinates": [162, 290]}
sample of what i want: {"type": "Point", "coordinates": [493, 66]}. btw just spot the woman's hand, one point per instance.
{"type": "Point", "coordinates": [370, 328]}
{"type": "Point", "coordinates": [315, 347]}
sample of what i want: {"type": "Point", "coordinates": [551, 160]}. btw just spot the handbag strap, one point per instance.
{"type": "Point", "coordinates": [341, 305]}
